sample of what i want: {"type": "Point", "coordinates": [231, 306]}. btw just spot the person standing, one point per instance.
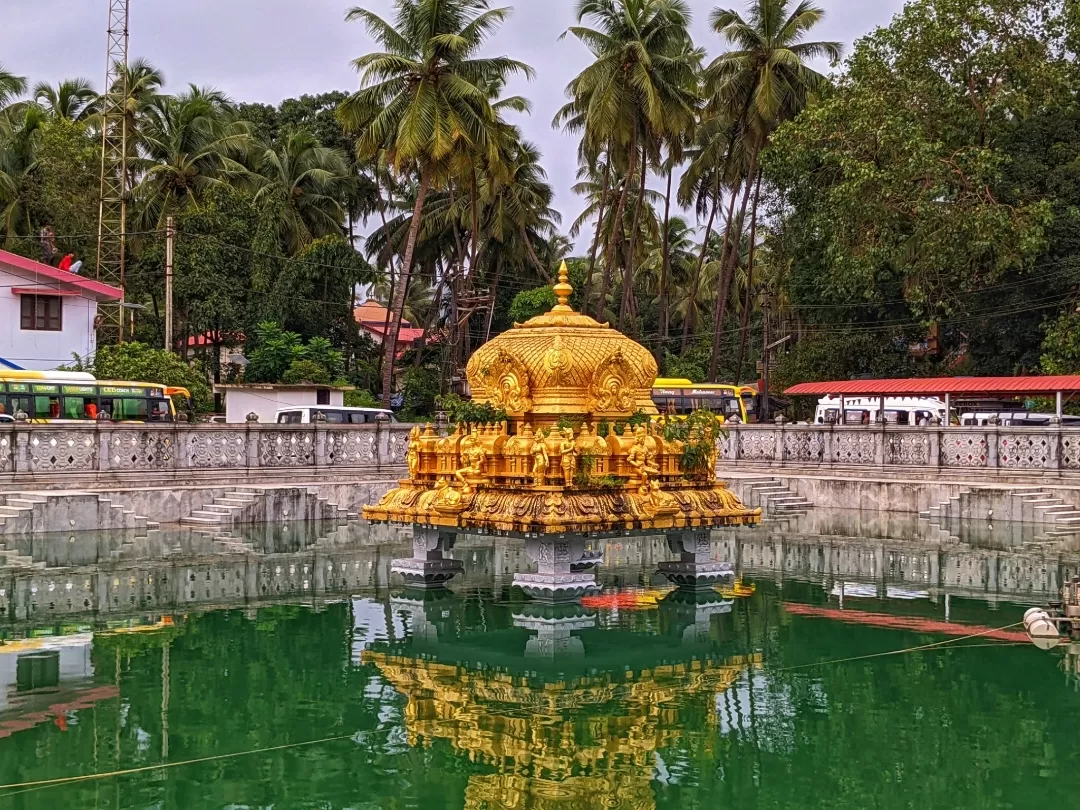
{"type": "Point", "coordinates": [48, 244]}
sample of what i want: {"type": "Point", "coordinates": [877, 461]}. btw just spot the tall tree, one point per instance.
{"type": "Point", "coordinates": [72, 99]}
{"type": "Point", "coordinates": [639, 88]}
{"type": "Point", "coordinates": [303, 182]}
{"type": "Point", "coordinates": [422, 98]}
{"type": "Point", "coordinates": [11, 86]}
{"type": "Point", "coordinates": [188, 144]}
{"type": "Point", "coordinates": [761, 83]}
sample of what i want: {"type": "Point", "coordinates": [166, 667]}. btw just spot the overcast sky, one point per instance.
{"type": "Point", "coordinates": [268, 50]}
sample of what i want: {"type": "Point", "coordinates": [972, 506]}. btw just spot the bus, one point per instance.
{"type": "Point", "coordinates": [679, 397]}
{"type": "Point", "coordinates": [76, 396]}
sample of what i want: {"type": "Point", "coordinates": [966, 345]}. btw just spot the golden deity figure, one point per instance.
{"type": "Point", "coordinates": [569, 452]}
{"type": "Point", "coordinates": [651, 447]}
{"type": "Point", "coordinates": [660, 501]}
{"type": "Point", "coordinates": [412, 455]}
{"type": "Point", "coordinates": [473, 456]}
{"type": "Point", "coordinates": [540, 459]}
{"type": "Point", "coordinates": [638, 458]}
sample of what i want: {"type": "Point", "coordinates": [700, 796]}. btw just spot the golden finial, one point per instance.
{"type": "Point", "coordinates": [563, 290]}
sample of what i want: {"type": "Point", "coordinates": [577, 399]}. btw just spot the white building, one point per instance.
{"type": "Point", "coordinates": [47, 314]}
{"type": "Point", "coordinates": [267, 399]}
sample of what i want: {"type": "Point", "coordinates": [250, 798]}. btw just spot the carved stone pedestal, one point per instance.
{"type": "Point", "coordinates": [554, 626]}
{"type": "Point", "coordinates": [428, 568]}
{"type": "Point", "coordinates": [694, 570]}
{"type": "Point", "coordinates": [556, 578]}
{"type": "Point", "coordinates": [687, 614]}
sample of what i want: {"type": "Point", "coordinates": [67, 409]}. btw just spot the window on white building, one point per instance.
{"type": "Point", "coordinates": [42, 313]}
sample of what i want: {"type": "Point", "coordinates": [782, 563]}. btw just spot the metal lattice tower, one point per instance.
{"type": "Point", "coordinates": [112, 217]}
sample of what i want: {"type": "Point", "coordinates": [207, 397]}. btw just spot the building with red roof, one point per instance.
{"type": "Point", "coordinates": [47, 314]}
{"type": "Point", "coordinates": [371, 316]}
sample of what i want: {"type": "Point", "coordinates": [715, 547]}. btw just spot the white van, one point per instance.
{"type": "Point", "coordinates": [334, 416]}
{"type": "Point", "coordinates": [864, 410]}
{"type": "Point", "coordinates": [1015, 419]}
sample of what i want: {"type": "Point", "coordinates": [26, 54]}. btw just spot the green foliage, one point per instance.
{"type": "Point", "coordinates": [936, 184]}
{"type": "Point", "coordinates": [69, 168]}
{"type": "Point", "coordinates": [1061, 347]}
{"type": "Point", "coordinates": [141, 363]}
{"type": "Point", "coordinates": [273, 351]}
{"type": "Point", "coordinates": [465, 411]}
{"type": "Point", "coordinates": [361, 399]}
{"type": "Point", "coordinates": [584, 477]}
{"type": "Point", "coordinates": [603, 429]}
{"type": "Point", "coordinates": [321, 352]}
{"type": "Point", "coordinates": [844, 355]}
{"type": "Point", "coordinates": [278, 355]}
{"type": "Point", "coordinates": [530, 303]}
{"type": "Point", "coordinates": [574, 423]}
{"type": "Point", "coordinates": [698, 434]}
{"type": "Point", "coordinates": [421, 387]}
{"type": "Point", "coordinates": [693, 365]}
{"type": "Point", "coordinates": [306, 372]}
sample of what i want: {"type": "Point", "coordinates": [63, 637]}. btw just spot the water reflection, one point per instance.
{"type": "Point", "coordinates": [642, 696]}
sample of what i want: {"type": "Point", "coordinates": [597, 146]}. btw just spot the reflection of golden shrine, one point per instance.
{"type": "Point", "coordinates": [580, 743]}
{"type": "Point", "coordinates": [564, 380]}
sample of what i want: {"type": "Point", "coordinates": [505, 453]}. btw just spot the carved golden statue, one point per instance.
{"type": "Point", "coordinates": [568, 451]}
{"type": "Point", "coordinates": [412, 455]}
{"type": "Point", "coordinates": [558, 366]}
{"type": "Point", "coordinates": [540, 459]}
{"type": "Point", "coordinates": [638, 459]}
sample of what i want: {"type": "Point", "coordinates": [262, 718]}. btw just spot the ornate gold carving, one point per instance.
{"type": "Point", "coordinates": [610, 390]}
{"type": "Point", "coordinates": [507, 383]}
{"type": "Point", "coordinates": [558, 362]}
{"type": "Point", "coordinates": [499, 477]}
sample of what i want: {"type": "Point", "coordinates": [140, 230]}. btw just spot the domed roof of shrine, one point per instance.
{"type": "Point", "coordinates": [563, 363]}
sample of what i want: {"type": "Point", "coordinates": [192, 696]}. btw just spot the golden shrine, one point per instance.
{"type": "Point", "coordinates": [566, 460]}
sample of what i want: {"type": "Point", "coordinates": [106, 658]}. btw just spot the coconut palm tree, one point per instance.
{"type": "Point", "coordinates": [304, 182]}
{"type": "Point", "coordinates": [20, 126]}
{"type": "Point", "coordinates": [762, 82]}
{"type": "Point", "coordinates": [424, 97]}
{"type": "Point", "coordinates": [72, 99]}
{"type": "Point", "coordinates": [639, 88]}
{"type": "Point", "coordinates": [11, 87]}
{"type": "Point", "coordinates": [188, 144]}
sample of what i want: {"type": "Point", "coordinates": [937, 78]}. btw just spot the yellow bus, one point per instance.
{"type": "Point", "coordinates": [679, 397]}
{"type": "Point", "coordinates": [76, 396]}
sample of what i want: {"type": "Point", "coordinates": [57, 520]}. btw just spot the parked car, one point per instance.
{"type": "Point", "coordinates": [334, 416]}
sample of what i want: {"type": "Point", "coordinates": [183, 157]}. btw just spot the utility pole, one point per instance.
{"type": "Point", "coordinates": [765, 410]}
{"type": "Point", "coordinates": [170, 239]}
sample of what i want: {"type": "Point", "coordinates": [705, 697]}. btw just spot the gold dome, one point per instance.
{"type": "Point", "coordinates": [563, 362]}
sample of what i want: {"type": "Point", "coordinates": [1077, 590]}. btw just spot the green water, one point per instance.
{"type": "Point", "coordinates": [475, 699]}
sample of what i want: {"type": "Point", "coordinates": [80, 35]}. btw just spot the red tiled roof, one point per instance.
{"type": "Point", "coordinates": [406, 335]}
{"type": "Point", "coordinates": [372, 313]}
{"type": "Point", "coordinates": [1069, 384]}
{"type": "Point", "coordinates": [37, 271]}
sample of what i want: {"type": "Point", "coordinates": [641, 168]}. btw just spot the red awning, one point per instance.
{"type": "Point", "coordinates": [938, 386]}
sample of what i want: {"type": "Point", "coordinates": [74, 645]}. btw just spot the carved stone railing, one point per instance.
{"type": "Point", "coordinates": [959, 448]}
{"type": "Point", "coordinates": [58, 449]}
